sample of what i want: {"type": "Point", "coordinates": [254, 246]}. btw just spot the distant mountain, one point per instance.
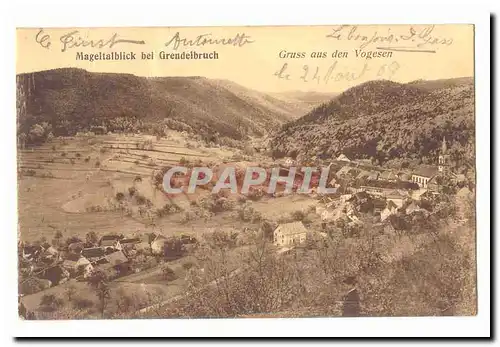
{"type": "Point", "coordinates": [72, 100]}
{"type": "Point", "coordinates": [385, 120]}
{"type": "Point", "coordinates": [293, 107]}
{"type": "Point", "coordinates": [443, 83]}
{"type": "Point", "coordinates": [307, 99]}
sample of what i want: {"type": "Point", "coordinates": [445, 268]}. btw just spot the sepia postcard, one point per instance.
{"type": "Point", "coordinates": [246, 172]}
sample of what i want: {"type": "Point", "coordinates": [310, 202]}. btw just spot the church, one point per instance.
{"type": "Point", "coordinates": [425, 176]}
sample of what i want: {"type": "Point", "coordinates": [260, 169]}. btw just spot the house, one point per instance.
{"type": "Point", "coordinates": [290, 234]}
{"type": "Point", "coordinates": [363, 174]}
{"type": "Point", "coordinates": [396, 197]}
{"type": "Point", "coordinates": [343, 157]}
{"type": "Point", "coordinates": [417, 194]}
{"type": "Point", "coordinates": [403, 176]}
{"type": "Point", "coordinates": [343, 171]}
{"type": "Point", "coordinates": [465, 193]}
{"type": "Point", "coordinates": [433, 185]}
{"type": "Point", "coordinates": [110, 241]}
{"type": "Point", "coordinates": [376, 191]}
{"type": "Point", "coordinates": [378, 205]}
{"type": "Point", "coordinates": [373, 176]}
{"type": "Point", "coordinates": [423, 175]}
{"type": "Point", "coordinates": [116, 245]}
{"type": "Point", "coordinates": [77, 265]}
{"type": "Point", "coordinates": [365, 162]}
{"type": "Point", "coordinates": [129, 243]}
{"type": "Point", "coordinates": [50, 252]}
{"type": "Point", "coordinates": [413, 207]}
{"type": "Point", "coordinates": [389, 210]}
{"type": "Point", "coordinates": [158, 244]}
{"type": "Point", "coordinates": [83, 267]}
{"type": "Point", "coordinates": [116, 258]}
{"type": "Point", "coordinates": [93, 253]}
{"type": "Point", "coordinates": [31, 252]}
{"type": "Point", "coordinates": [117, 264]}
{"type": "Point", "coordinates": [145, 242]}
{"type": "Point", "coordinates": [388, 176]}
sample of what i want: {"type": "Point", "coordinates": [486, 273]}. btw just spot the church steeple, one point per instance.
{"type": "Point", "coordinates": [444, 147]}
{"type": "Point", "coordinates": [444, 158]}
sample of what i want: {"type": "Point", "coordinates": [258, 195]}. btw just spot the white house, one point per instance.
{"type": "Point", "coordinates": [423, 175]}
{"type": "Point", "coordinates": [289, 234]}
{"type": "Point", "coordinates": [158, 244]}
{"type": "Point", "coordinates": [397, 198]}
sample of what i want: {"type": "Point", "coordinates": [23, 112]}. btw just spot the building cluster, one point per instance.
{"type": "Point", "coordinates": [425, 176]}
{"type": "Point", "coordinates": [384, 193]}
{"type": "Point", "coordinates": [113, 255]}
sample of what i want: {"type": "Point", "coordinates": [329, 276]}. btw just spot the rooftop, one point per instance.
{"type": "Point", "coordinates": [116, 258]}
{"type": "Point", "coordinates": [291, 228]}
{"type": "Point", "coordinates": [426, 171]}
{"type": "Point", "coordinates": [93, 252]}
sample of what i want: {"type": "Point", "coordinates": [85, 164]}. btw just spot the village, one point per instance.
{"type": "Point", "coordinates": [392, 200]}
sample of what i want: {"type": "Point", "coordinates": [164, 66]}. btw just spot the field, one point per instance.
{"type": "Point", "coordinates": [65, 178]}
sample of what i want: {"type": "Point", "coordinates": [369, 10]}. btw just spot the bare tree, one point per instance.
{"type": "Point", "coordinates": [99, 282]}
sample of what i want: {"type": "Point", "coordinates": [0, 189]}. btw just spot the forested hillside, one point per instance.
{"type": "Point", "coordinates": [69, 100]}
{"type": "Point", "coordinates": [383, 120]}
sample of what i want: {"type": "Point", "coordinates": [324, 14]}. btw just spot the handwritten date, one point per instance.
{"type": "Point", "coordinates": [335, 74]}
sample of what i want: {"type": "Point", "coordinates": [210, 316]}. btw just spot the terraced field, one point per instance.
{"type": "Point", "coordinates": [67, 184]}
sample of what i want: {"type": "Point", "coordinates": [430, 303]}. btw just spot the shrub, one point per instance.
{"type": "Point", "coordinates": [119, 196]}
{"type": "Point", "coordinates": [63, 154]}
{"type": "Point", "coordinates": [87, 159]}
{"type": "Point", "coordinates": [168, 274]}
{"type": "Point", "coordinates": [82, 304]}
{"type": "Point", "coordinates": [298, 215]}
{"type": "Point", "coordinates": [51, 302]}
{"type": "Point", "coordinates": [167, 209]}
{"type": "Point", "coordinates": [255, 194]}
{"type": "Point", "coordinates": [140, 199]}
{"type": "Point", "coordinates": [132, 191]}
{"type": "Point", "coordinates": [187, 265]}
{"type": "Point", "coordinates": [97, 163]}
{"type": "Point", "coordinates": [248, 214]}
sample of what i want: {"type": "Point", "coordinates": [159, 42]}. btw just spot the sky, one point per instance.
{"type": "Point", "coordinates": [250, 56]}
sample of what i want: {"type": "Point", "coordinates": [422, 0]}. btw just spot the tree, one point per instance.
{"type": "Point", "coordinates": [91, 237]}
{"type": "Point", "coordinates": [70, 292]}
{"type": "Point", "coordinates": [56, 241]}
{"type": "Point", "coordinates": [99, 282]}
